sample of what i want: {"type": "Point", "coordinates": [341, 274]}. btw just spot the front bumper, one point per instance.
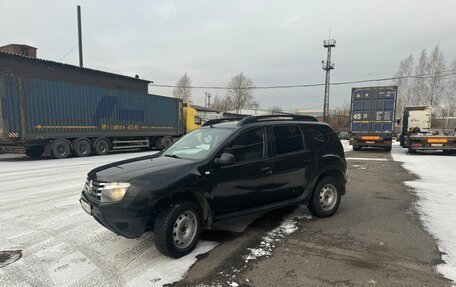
{"type": "Point", "coordinates": [126, 219]}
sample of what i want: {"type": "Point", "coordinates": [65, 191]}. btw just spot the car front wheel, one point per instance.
{"type": "Point", "coordinates": [326, 197]}
{"type": "Point", "coordinates": [177, 229]}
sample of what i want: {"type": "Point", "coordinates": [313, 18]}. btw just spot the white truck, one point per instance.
{"type": "Point", "coordinates": [418, 135]}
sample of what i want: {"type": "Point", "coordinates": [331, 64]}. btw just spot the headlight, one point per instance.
{"type": "Point", "coordinates": [114, 191]}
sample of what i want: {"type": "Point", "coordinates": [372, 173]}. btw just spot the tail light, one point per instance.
{"type": "Point", "coordinates": [416, 144]}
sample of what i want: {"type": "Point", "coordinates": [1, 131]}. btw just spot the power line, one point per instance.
{"type": "Point", "coordinates": [66, 55]}
{"type": "Point", "coordinates": [446, 73]}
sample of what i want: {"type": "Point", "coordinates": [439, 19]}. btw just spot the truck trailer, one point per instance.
{"type": "Point", "coordinates": [372, 116]}
{"type": "Point", "coordinates": [58, 118]}
{"type": "Point", "coordinates": [417, 133]}
{"type": "Point", "coordinates": [414, 117]}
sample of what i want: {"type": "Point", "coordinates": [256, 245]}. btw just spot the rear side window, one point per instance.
{"type": "Point", "coordinates": [321, 135]}
{"type": "Point", "coordinates": [287, 139]}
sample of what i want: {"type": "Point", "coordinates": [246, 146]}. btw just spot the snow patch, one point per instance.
{"type": "Point", "coordinates": [436, 191]}
{"type": "Point", "coordinates": [288, 226]}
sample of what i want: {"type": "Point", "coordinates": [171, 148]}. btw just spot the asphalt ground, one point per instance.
{"type": "Point", "coordinates": [375, 239]}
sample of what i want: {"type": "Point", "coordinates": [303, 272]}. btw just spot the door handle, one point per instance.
{"type": "Point", "coordinates": [266, 170]}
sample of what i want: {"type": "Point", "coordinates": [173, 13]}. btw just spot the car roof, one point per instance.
{"type": "Point", "coordinates": [234, 124]}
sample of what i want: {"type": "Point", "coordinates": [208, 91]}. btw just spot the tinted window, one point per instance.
{"type": "Point", "coordinates": [288, 139]}
{"type": "Point", "coordinates": [248, 145]}
{"type": "Point", "coordinates": [320, 134]}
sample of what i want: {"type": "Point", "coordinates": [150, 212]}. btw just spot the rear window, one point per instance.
{"type": "Point", "coordinates": [287, 139]}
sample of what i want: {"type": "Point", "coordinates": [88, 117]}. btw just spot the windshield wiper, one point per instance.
{"type": "Point", "coordinates": [173, 155]}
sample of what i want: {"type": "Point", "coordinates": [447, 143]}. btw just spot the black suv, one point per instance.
{"type": "Point", "coordinates": [225, 169]}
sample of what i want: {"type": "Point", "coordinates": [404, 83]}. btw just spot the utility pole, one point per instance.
{"type": "Point", "coordinates": [327, 66]}
{"type": "Point", "coordinates": [208, 95]}
{"type": "Point", "coordinates": [80, 36]}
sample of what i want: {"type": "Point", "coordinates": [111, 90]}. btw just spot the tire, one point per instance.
{"type": "Point", "coordinates": [326, 197]}
{"type": "Point", "coordinates": [34, 151]}
{"type": "Point", "coordinates": [356, 147]}
{"type": "Point", "coordinates": [388, 148]}
{"type": "Point", "coordinates": [167, 142]}
{"type": "Point", "coordinates": [101, 147]}
{"type": "Point", "coordinates": [82, 148]}
{"type": "Point", "coordinates": [177, 229]}
{"type": "Point", "coordinates": [450, 152]}
{"type": "Point", "coordinates": [60, 149]}
{"type": "Point", "coordinates": [410, 150]}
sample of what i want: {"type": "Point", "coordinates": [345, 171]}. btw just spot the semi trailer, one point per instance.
{"type": "Point", "coordinates": [372, 115]}
{"type": "Point", "coordinates": [418, 134]}
{"type": "Point", "coordinates": [58, 118]}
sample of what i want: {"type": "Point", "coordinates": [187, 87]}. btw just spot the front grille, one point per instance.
{"type": "Point", "coordinates": [93, 189]}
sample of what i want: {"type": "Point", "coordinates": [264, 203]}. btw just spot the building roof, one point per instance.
{"type": "Point", "coordinates": [18, 45]}
{"type": "Point", "coordinates": [203, 109]}
{"type": "Point", "coordinates": [68, 66]}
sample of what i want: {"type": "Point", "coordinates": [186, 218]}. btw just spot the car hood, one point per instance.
{"type": "Point", "coordinates": [127, 170]}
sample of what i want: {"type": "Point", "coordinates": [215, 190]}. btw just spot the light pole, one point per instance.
{"type": "Point", "coordinates": [208, 95]}
{"type": "Point", "coordinates": [328, 66]}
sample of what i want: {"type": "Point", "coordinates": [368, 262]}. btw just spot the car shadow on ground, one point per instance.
{"type": "Point", "coordinates": [228, 230]}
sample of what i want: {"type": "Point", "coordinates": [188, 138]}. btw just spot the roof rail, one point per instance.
{"type": "Point", "coordinates": [254, 119]}
{"type": "Point", "coordinates": [222, 120]}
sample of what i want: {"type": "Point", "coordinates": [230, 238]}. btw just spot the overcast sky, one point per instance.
{"type": "Point", "coordinates": [273, 42]}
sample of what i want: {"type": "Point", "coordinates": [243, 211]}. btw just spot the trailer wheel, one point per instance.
{"type": "Point", "coordinates": [60, 149]}
{"type": "Point", "coordinates": [167, 142]}
{"type": "Point", "coordinates": [101, 147]}
{"type": "Point", "coordinates": [82, 148]}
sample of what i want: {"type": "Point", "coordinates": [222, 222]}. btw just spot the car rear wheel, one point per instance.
{"type": "Point", "coordinates": [356, 147]}
{"type": "Point", "coordinates": [388, 148]}
{"type": "Point", "coordinates": [326, 197]}
{"type": "Point", "coordinates": [177, 229]}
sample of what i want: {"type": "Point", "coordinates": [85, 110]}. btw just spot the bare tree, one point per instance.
{"type": "Point", "coordinates": [420, 89]}
{"type": "Point", "coordinates": [436, 82]}
{"type": "Point", "coordinates": [240, 93]}
{"type": "Point", "coordinates": [449, 101]}
{"type": "Point", "coordinates": [405, 84]}
{"type": "Point", "coordinates": [183, 88]}
{"type": "Point", "coordinates": [220, 104]}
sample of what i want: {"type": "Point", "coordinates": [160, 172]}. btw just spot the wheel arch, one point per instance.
{"type": "Point", "coordinates": [331, 172]}
{"type": "Point", "coordinates": [195, 197]}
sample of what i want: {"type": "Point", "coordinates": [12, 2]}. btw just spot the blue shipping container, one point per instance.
{"type": "Point", "coordinates": [40, 109]}
{"type": "Point", "coordinates": [373, 110]}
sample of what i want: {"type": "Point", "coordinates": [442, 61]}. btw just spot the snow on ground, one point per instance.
{"type": "Point", "coordinates": [346, 145]}
{"type": "Point", "coordinates": [287, 226]}
{"type": "Point", "coordinates": [436, 191]}
{"type": "Point", "coordinates": [61, 244]}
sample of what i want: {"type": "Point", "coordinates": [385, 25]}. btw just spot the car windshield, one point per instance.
{"type": "Point", "coordinates": [197, 144]}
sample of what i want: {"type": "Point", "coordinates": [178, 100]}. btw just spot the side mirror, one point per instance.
{"type": "Point", "coordinates": [225, 159]}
